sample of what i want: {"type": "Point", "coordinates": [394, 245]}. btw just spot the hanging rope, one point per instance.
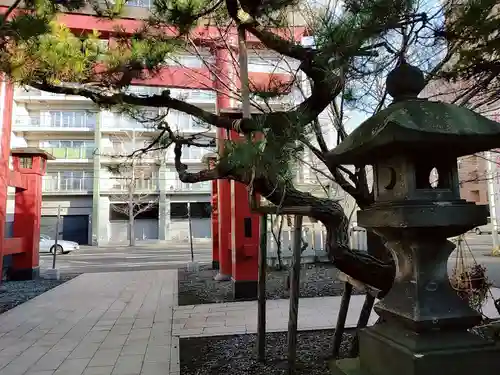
{"type": "Point", "coordinates": [469, 278]}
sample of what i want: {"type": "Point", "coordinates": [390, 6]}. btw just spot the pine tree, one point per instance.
{"type": "Point", "coordinates": [355, 44]}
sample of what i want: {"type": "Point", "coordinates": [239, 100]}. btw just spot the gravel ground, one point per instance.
{"type": "Point", "coordinates": [316, 280]}
{"type": "Point", "coordinates": [236, 355]}
{"type": "Point", "coordinates": [17, 292]}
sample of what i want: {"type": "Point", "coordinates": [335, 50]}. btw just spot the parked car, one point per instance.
{"type": "Point", "coordinates": [48, 245]}
{"type": "Point", "coordinates": [486, 229]}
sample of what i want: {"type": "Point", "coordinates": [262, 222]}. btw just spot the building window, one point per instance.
{"type": "Point", "coordinates": [475, 196]}
{"type": "Point", "coordinates": [186, 61]}
{"type": "Point", "coordinates": [201, 210]}
{"type": "Point", "coordinates": [71, 119]}
{"type": "Point", "coordinates": [265, 64]}
{"type": "Point", "coordinates": [178, 210]}
{"type": "Point", "coordinates": [140, 3]}
{"type": "Point", "coordinates": [198, 210]}
{"type": "Point", "coordinates": [70, 181]}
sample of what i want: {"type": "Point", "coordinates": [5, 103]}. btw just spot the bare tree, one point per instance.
{"type": "Point", "coordinates": [134, 177]}
{"type": "Point", "coordinates": [131, 174]}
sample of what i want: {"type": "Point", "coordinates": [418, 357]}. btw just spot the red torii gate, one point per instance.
{"type": "Point", "coordinates": [29, 165]}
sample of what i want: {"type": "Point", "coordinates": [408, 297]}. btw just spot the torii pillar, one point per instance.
{"type": "Point", "coordinates": [29, 165]}
{"type": "Point", "coordinates": [238, 227]}
{"type": "Point", "coordinates": [238, 231]}
{"type": "Point", "coordinates": [6, 100]}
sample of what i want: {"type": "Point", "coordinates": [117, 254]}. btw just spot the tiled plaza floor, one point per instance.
{"type": "Point", "coordinates": [128, 323]}
{"type": "Point", "coordinates": [241, 317]}
{"type": "Point", "coordinates": [97, 324]}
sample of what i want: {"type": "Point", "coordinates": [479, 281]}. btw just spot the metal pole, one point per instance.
{"type": "Point", "coordinates": [56, 237]}
{"type": "Point", "coordinates": [96, 182]}
{"type": "Point", "coordinates": [294, 296]}
{"type": "Point", "coordinates": [492, 197]}
{"type": "Point", "coordinates": [190, 232]}
{"type": "Point", "coordinates": [261, 323]}
{"type": "Point", "coordinates": [243, 61]}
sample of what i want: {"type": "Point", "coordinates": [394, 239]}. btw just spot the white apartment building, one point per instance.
{"type": "Point", "coordinates": [86, 141]}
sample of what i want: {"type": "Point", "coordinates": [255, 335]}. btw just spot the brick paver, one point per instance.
{"type": "Point", "coordinates": [241, 317]}
{"type": "Point", "coordinates": [97, 324]}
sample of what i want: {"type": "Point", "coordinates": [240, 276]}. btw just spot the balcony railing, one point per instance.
{"type": "Point", "coordinates": [71, 153]}
{"type": "Point", "coordinates": [55, 184]}
{"type": "Point", "coordinates": [180, 187]}
{"type": "Point", "coordinates": [190, 95]}
{"type": "Point", "coordinates": [141, 186]}
{"type": "Point", "coordinates": [27, 92]}
{"type": "Point", "coordinates": [62, 120]}
{"type": "Point", "coordinates": [198, 96]}
{"type": "Point", "coordinates": [119, 153]}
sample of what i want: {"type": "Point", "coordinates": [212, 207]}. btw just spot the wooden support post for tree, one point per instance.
{"type": "Point", "coordinates": [294, 293]}
{"type": "Point", "coordinates": [261, 324]}
{"type": "Point", "coordinates": [294, 296]}
{"type": "Point", "coordinates": [364, 316]}
{"type": "Point", "coordinates": [339, 329]}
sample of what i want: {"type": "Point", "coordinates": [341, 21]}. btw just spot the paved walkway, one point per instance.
{"type": "Point", "coordinates": [241, 317]}
{"type": "Point", "coordinates": [96, 324]}
{"type": "Point", "coordinates": [128, 323]}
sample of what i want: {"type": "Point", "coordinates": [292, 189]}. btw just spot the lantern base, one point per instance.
{"type": "Point", "coordinates": [24, 274]}
{"type": "Point", "coordinates": [389, 350]}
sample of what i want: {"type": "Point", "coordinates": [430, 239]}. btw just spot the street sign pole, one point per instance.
{"type": "Point", "coordinates": [56, 237]}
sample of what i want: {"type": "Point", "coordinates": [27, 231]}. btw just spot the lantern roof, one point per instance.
{"type": "Point", "coordinates": [31, 151]}
{"type": "Point", "coordinates": [416, 126]}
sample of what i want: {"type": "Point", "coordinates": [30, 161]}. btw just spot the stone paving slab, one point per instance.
{"type": "Point", "coordinates": [96, 324]}
{"type": "Point", "coordinates": [241, 317]}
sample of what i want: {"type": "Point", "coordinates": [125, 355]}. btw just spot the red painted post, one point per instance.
{"type": "Point", "coordinates": [223, 85]}
{"type": "Point", "coordinates": [6, 95]}
{"type": "Point", "coordinates": [31, 163]}
{"type": "Point", "coordinates": [245, 228]}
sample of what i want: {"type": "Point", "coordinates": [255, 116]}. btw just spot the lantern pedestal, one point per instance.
{"type": "Point", "coordinates": [426, 322]}
{"type": "Point", "coordinates": [387, 349]}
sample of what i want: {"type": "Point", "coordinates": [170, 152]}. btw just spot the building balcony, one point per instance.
{"type": "Point", "coordinates": [57, 121]}
{"type": "Point", "coordinates": [115, 125]}
{"type": "Point", "coordinates": [71, 154]}
{"type": "Point", "coordinates": [178, 187]}
{"type": "Point", "coordinates": [54, 184]}
{"type": "Point", "coordinates": [119, 155]}
{"type": "Point", "coordinates": [30, 94]}
{"type": "Point", "coordinates": [194, 96]}
{"type": "Point", "coordinates": [142, 187]}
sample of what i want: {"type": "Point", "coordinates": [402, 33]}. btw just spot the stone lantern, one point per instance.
{"type": "Point", "coordinates": [413, 147]}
